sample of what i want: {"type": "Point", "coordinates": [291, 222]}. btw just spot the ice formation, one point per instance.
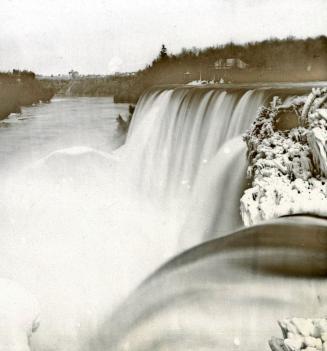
{"type": "Point", "coordinates": [287, 152]}
{"type": "Point", "coordinates": [301, 334]}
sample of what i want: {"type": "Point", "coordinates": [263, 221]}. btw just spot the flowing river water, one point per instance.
{"type": "Point", "coordinates": [64, 122]}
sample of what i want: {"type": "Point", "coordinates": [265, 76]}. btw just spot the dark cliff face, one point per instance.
{"type": "Point", "coordinates": [17, 91]}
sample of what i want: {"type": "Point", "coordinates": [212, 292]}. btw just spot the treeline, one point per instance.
{"type": "Point", "coordinates": [101, 86]}
{"type": "Point", "coordinates": [20, 88]}
{"type": "Point", "coordinates": [273, 60]}
{"type": "Point", "coordinates": [16, 75]}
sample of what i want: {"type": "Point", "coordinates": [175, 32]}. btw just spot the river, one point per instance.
{"type": "Point", "coordinates": [64, 122]}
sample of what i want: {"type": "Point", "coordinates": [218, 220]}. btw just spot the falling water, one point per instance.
{"type": "Point", "coordinates": [177, 131]}
{"type": "Point", "coordinates": [82, 227]}
{"type": "Point", "coordinates": [180, 160]}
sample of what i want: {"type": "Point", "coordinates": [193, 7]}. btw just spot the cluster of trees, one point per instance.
{"type": "Point", "coordinates": [105, 86]}
{"type": "Point", "coordinates": [17, 74]}
{"type": "Point", "coordinates": [20, 88]}
{"type": "Point", "coordinates": [270, 60]}
{"type": "Point", "coordinates": [289, 53]}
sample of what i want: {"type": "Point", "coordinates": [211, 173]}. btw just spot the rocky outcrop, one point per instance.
{"type": "Point", "coordinates": [287, 152]}
{"type": "Point", "coordinates": [122, 123]}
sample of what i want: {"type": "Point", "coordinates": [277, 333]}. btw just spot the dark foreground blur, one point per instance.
{"type": "Point", "coordinates": [228, 293]}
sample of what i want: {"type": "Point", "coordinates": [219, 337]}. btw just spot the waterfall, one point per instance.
{"type": "Point", "coordinates": [174, 147]}
{"type": "Point", "coordinates": [82, 227]}
{"type": "Point", "coordinates": [175, 132]}
{"type": "Point", "coordinates": [214, 296]}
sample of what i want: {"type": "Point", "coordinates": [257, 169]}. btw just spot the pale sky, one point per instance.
{"type": "Point", "coordinates": [104, 36]}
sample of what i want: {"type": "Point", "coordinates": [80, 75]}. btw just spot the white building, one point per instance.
{"type": "Point", "coordinates": [73, 74]}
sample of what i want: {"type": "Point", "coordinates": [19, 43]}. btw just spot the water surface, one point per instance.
{"type": "Point", "coordinates": [65, 122]}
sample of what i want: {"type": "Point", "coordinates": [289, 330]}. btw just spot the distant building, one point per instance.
{"type": "Point", "coordinates": [73, 74]}
{"type": "Point", "coordinates": [124, 74]}
{"type": "Point", "coordinates": [229, 63]}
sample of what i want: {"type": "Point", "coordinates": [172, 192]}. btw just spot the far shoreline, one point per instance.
{"type": "Point", "coordinates": [19, 89]}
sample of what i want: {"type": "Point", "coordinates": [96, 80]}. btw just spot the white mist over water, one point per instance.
{"type": "Point", "coordinates": [73, 233]}
{"type": "Point", "coordinates": [82, 225]}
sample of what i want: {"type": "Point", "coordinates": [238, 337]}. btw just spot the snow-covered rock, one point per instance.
{"type": "Point", "coordinates": [301, 334]}
{"type": "Point", "coordinates": [287, 151]}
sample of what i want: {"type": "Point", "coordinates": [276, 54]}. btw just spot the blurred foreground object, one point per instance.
{"type": "Point", "coordinates": [228, 293]}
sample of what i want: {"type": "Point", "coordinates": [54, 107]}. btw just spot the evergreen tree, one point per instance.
{"type": "Point", "coordinates": [163, 52]}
